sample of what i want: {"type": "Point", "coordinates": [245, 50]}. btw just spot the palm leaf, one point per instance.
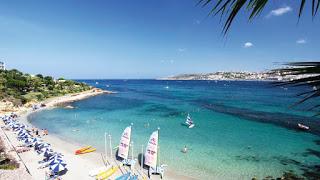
{"type": "Point", "coordinates": [305, 74]}
{"type": "Point", "coordinates": [231, 8]}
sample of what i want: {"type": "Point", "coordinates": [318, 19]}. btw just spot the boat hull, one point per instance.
{"type": "Point", "coordinates": [191, 126]}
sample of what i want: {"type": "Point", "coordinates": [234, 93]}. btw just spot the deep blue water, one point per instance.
{"type": "Point", "coordinates": [243, 128]}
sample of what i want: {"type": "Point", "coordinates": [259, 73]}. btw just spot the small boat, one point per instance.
{"type": "Point", "coordinates": [151, 155]}
{"type": "Point", "coordinates": [124, 177]}
{"type": "Point", "coordinates": [97, 171]}
{"type": "Point", "coordinates": [82, 149]}
{"type": "Point", "coordinates": [87, 151]}
{"type": "Point", "coordinates": [134, 177]}
{"type": "Point", "coordinates": [189, 122]}
{"type": "Point", "coordinates": [106, 174]}
{"type": "Point", "coordinates": [303, 127]}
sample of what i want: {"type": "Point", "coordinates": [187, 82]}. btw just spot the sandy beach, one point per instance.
{"type": "Point", "coordinates": [78, 165]}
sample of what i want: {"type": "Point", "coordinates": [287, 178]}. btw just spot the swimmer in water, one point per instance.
{"type": "Point", "coordinates": [185, 149]}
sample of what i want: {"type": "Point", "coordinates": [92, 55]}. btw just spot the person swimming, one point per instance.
{"type": "Point", "coordinates": [185, 149]}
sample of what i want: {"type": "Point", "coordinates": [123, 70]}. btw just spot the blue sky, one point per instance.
{"type": "Point", "coordinates": [148, 38]}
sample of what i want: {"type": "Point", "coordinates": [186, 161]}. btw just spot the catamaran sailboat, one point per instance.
{"type": "Point", "coordinates": [151, 155]}
{"type": "Point", "coordinates": [124, 146]}
{"type": "Point", "coordinates": [189, 122]}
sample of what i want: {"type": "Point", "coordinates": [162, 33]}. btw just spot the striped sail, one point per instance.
{"type": "Point", "coordinates": [189, 120]}
{"type": "Point", "coordinates": [124, 143]}
{"type": "Point", "coordinates": [152, 150]}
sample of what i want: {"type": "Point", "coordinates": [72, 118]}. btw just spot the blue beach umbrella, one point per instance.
{"type": "Point", "coordinates": [57, 161]}
{"type": "Point", "coordinates": [43, 145]}
{"type": "Point", "coordinates": [44, 149]}
{"type": "Point", "coordinates": [47, 154]}
{"type": "Point", "coordinates": [22, 131]}
{"type": "Point", "coordinates": [28, 140]}
{"type": "Point", "coordinates": [58, 167]}
{"type": "Point", "coordinates": [55, 156]}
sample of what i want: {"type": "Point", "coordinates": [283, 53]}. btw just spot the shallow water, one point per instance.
{"type": "Point", "coordinates": [243, 129]}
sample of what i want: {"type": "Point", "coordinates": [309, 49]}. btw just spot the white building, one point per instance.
{"type": "Point", "coordinates": [2, 66]}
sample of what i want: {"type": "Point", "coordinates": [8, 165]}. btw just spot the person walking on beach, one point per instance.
{"type": "Point", "coordinates": [37, 132]}
{"type": "Point", "coordinates": [45, 132]}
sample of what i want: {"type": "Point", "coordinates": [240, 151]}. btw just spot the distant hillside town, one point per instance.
{"type": "Point", "coordinates": [243, 75]}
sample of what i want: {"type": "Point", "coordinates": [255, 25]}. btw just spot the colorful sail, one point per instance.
{"type": "Point", "coordinates": [189, 120]}
{"type": "Point", "coordinates": [151, 153]}
{"type": "Point", "coordinates": [125, 143]}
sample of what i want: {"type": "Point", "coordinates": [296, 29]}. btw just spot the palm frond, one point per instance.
{"type": "Point", "coordinates": [231, 8]}
{"type": "Point", "coordinates": [303, 74]}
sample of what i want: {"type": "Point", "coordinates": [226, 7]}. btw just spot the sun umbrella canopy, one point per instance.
{"type": "Point", "coordinates": [44, 149]}
{"type": "Point", "coordinates": [57, 161]}
{"type": "Point", "coordinates": [47, 153]}
{"type": "Point", "coordinates": [55, 156]}
{"type": "Point", "coordinates": [43, 145]}
{"type": "Point", "coordinates": [28, 140]}
{"type": "Point", "coordinates": [58, 167]}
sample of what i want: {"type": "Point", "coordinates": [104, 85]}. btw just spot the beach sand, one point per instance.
{"type": "Point", "coordinates": [78, 165]}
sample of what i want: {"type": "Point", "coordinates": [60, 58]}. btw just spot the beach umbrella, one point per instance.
{"type": "Point", "coordinates": [43, 145]}
{"type": "Point", "coordinates": [55, 156]}
{"type": "Point", "coordinates": [47, 153]}
{"type": "Point", "coordinates": [28, 140]}
{"type": "Point", "coordinates": [44, 149]}
{"type": "Point", "coordinates": [57, 161]}
{"type": "Point", "coordinates": [25, 136]}
{"type": "Point", "coordinates": [58, 167]}
{"type": "Point", "coordinates": [22, 131]}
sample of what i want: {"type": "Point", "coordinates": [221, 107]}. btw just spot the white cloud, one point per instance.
{"type": "Point", "coordinates": [182, 49]}
{"type": "Point", "coordinates": [301, 41]}
{"type": "Point", "coordinates": [247, 45]}
{"type": "Point", "coordinates": [197, 21]}
{"type": "Point", "coordinates": [169, 61]}
{"type": "Point", "coordinates": [280, 11]}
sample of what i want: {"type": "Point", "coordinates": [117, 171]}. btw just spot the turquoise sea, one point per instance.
{"type": "Point", "coordinates": [243, 128]}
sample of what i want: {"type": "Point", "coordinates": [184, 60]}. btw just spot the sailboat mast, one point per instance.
{"type": "Point", "coordinates": [130, 144]}
{"type": "Point", "coordinates": [105, 144]}
{"type": "Point", "coordinates": [142, 158]}
{"type": "Point", "coordinates": [158, 147]}
{"type": "Point", "coordinates": [110, 146]}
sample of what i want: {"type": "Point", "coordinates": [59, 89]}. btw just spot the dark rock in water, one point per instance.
{"type": "Point", "coordinates": [317, 142]}
{"type": "Point", "coordinates": [248, 158]}
{"type": "Point", "coordinates": [312, 173]}
{"type": "Point", "coordinates": [290, 175]}
{"type": "Point", "coordinates": [288, 121]}
{"type": "Point", "coordinates": [286, 161]}
{"type": "Point", "coordinates": [313, 152]}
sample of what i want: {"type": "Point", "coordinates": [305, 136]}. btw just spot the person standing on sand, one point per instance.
{"type": "Point", "coordinates": [37, 132]}
{"type": "Point", "coordinates": [45, 132]}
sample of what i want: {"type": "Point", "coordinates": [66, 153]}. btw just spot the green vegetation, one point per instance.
{"type": "Point", "coordinates": [20, 88]}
